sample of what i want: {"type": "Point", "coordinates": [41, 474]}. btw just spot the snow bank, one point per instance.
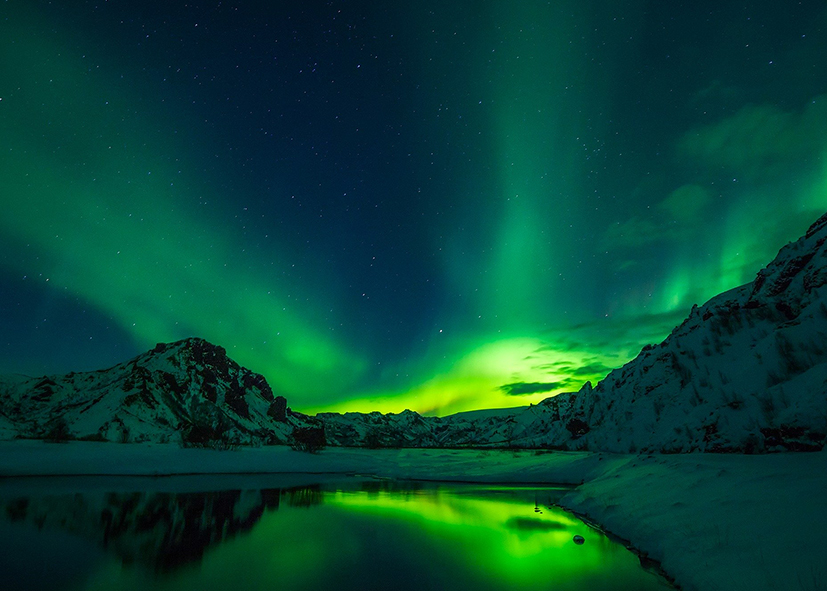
{"type": "Point", "coordinates": [718, 521]}
{"type": "Point", "coordinates": [37, 458]}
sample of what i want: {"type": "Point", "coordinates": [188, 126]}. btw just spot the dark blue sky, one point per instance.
{"type": "Point", "coordinates": [438, 206]}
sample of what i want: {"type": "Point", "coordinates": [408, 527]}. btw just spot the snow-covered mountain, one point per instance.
{"type": "Point", "coordinates": [188, 391]}
{"type": "Point", "coordinates": [745, 372]}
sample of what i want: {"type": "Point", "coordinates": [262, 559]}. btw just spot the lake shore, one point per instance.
{"type": "Point", "coordinates": [712, 521]}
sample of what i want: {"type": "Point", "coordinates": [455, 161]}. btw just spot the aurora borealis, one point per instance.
{"type": "Point", "coordinates": [378, 206]}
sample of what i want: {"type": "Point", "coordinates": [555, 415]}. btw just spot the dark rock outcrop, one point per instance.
{"type": "Point", "coordinates": [188, 391]}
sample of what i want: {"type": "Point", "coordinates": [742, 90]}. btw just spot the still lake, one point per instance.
{"type": "Point", "coordinates": [188, 534]}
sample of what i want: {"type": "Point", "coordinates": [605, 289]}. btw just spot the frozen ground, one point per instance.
{"type": "Point", "coordinates": [713, 521]}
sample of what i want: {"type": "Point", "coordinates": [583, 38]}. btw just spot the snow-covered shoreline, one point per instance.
{"type": "Point", "coordinates": [713, 521]}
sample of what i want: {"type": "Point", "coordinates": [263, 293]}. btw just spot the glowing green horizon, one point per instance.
{"type": "Point", "coordinates": [455, 207]}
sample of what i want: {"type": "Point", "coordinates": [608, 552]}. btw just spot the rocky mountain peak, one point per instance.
{"type": "Point", "coordinates": [195, 351]}
{"type": "Point", "coordinates": [195, 360]}
{"type": "Point", "coordinates": [817, 226]}
{"type": "Point", "coordinates": [745, 371]}
{"type": "Point", "coordinates": [788, 281]}
{"type": "Point", "coordinates": [165, 393]}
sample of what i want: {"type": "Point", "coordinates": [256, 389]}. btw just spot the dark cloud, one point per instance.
{"type": "Point", "coordinates": [587, 368]}
{"type": "Point", "coordinates": [556, 366]}
{"type": "Point", "coordinates": [626, 332]}
{"type": "Point", "coordinates": [525, 388]}
{"type": "Point", "coordinates": [591, 369]}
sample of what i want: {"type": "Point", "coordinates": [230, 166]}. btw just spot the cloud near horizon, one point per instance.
{"type": "Point", "coordinates": [526, 388]}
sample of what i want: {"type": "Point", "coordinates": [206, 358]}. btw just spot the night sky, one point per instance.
{"type": "Point", "coordinates": [430, 205]}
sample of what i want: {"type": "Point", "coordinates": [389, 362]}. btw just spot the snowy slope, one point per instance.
{"type": "Point", "coordinates": [185, 391]}
{"type": "Point", "coordinates": [745, 372]}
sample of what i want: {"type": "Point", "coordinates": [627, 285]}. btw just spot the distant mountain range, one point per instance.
{"type": "Point", "coordinates": [745, 372]}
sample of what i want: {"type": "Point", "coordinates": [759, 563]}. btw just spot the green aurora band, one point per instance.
{"type": "Point", "coordinates": [546, 284]}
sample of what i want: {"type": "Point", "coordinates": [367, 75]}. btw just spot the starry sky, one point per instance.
{"type": "Point", "coordinates": [431, 205]}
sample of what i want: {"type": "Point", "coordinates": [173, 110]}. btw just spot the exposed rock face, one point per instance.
{"type": "Point", "coordinates": [278, 409]}
{"type": "Point", "coordinates": [188, 389]}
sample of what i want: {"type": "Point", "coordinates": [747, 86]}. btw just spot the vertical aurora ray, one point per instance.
{"type": "Point", "coordinates": [527, 65]}
{"type": "Point", "coordinates": [434, 206]}
{"type": "Point", "coordinates": [522, 71]}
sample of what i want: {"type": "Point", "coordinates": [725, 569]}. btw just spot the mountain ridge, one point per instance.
{"type": "Point", "coordinates": [744, 372]}
{"type": "Point", "coordinates": [188, 391]}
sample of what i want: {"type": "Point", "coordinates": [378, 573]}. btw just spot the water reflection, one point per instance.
{"type": "Point", "coordinates": [355, 535]}
{"type": "Point", "coordinates": [160, 531]}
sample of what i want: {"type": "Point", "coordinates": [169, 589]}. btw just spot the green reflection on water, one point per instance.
{"type": "Point", "coordinates": [500, 534]}
{"type": "Point", "coordinates": [372, 535]}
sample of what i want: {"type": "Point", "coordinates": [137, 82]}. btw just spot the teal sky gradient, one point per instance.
{"type": "Point", "coordinates": [431, 206]}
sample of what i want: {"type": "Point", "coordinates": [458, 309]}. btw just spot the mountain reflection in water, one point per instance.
{"type": "Point", "coordinates": [354, 535]}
